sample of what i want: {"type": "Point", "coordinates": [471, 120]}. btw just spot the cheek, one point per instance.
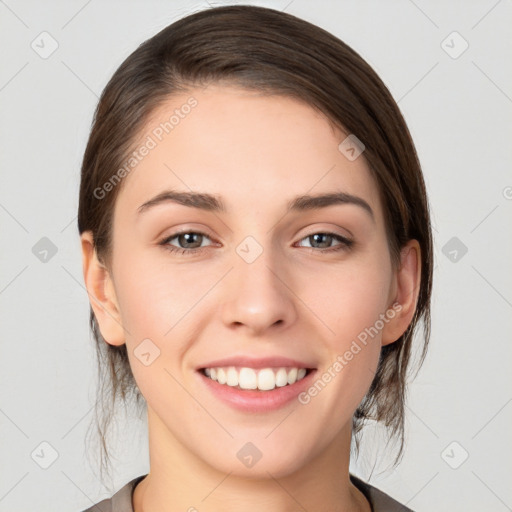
{"type": "Point", "coordinates": [157, 305]}
{"type": "Point", "coordinates": [352, 343]}
{"type": "Point", "coordinates": [163, 308]}
{"type": "Point", "coordinates": [153, 297]}
{"type": "Point", "coordinates": [348, 299]}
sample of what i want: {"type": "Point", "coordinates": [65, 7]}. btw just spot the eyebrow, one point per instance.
{"type": "Point", "coordinates": [213, 203]}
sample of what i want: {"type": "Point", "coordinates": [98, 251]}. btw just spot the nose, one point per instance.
{"type": "Point", "coordinates": [259, 295]}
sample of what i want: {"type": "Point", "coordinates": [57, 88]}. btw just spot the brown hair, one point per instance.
{"type": "Point", "coordinates": [276, 53]}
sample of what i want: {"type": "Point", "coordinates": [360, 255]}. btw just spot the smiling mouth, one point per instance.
{"type": "Point", "coordinates": [262, 379]}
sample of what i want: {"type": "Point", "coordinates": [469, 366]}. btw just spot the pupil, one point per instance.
{"type": "Point", "coordinates": [186, 238]}
{"type": "Point", "coordinates": [318, 235]}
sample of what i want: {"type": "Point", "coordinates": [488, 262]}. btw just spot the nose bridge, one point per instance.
{"type": "Point", "coordinates": [257, 266]}
{"type": "Point", "coordinates": [258, 297]}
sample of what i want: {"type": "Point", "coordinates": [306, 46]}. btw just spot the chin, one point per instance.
{"type": "Point", "coordinates": [258, 460]}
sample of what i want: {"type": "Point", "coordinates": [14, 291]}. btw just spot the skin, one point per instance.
{"type": "Point", "coordinates": [295, 300]}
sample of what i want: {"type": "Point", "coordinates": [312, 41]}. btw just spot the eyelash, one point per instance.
{"type": "Point", "coordinates": [345, 244]}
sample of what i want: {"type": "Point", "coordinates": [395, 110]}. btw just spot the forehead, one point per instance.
{"type": "Point", "coordinates": [254, 150]}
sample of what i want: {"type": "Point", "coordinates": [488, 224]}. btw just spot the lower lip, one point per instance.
{"type": "Point", "coordinates": [257, 401]}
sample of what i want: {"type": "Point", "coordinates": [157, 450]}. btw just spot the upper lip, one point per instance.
{"type": "Point", "coordinates": [257, 362]}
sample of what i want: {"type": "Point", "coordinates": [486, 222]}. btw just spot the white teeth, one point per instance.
{"type": "Point", "coordinates": [221, 376]}
{"type": "Point", "coordinates": [292, 375]}
{"type": "Point", "coordinates": [281, 377]}
{"type": "Point", "coordinates": [264, 379]}
{"type": "Point", "coordinates": [232, 377]}
{"type": "Point", "coordinates": [247, 379]}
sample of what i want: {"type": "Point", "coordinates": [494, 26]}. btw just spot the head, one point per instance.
{"type": "Point", "coordinates": [255, 120]}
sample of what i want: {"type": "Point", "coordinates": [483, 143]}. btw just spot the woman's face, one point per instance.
{"type": "Point", "coordinates": [262, 281]}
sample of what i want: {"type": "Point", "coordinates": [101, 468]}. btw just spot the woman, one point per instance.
{"type": "Point", "coordinates": [257, 250]}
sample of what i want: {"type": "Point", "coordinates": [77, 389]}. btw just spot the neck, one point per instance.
{"type": "Point", "coordinates": [180, 481]}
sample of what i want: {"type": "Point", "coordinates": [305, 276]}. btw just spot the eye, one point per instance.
{"type": "Point", "coordinates": [189, 242]}
{"type": "Point", "coordinates": [325, 239]}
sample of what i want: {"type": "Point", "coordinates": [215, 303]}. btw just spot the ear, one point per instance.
{"type": "Point", "coordinates": [405, 290]}
{"type": "Point", "coordinates": [100, 289]}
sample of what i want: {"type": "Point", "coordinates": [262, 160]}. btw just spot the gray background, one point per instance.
{"type": "Point", "coordinates": [458, 108]}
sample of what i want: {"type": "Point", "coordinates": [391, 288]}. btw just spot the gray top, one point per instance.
{"type": "Point", "coordinates": [121, 501]}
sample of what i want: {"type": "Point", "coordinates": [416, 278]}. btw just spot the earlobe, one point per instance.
{"type": "Point", "coordinates": [101, 293]}
{"type": "Point", "coordinates": [406, 290]}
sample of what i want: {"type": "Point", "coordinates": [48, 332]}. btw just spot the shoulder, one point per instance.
{"type": "Point", "coordinates": [380, 501]}
{"type": "Point", "coordinates": [121, 501]}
